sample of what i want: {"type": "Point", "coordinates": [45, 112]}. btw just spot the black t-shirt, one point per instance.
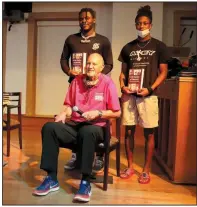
{"type": "Point", "coordinates": [147, 56]}
{"type": "Point", "coordinates": [98, 44]}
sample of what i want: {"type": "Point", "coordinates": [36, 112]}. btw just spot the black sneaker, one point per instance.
{"type": "Point", "coordinates": [98, 165]}
{"type": "Point", "coordinates": [71, 164]}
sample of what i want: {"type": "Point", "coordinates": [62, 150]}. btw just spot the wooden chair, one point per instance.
{"type": "Point", "coordinates": [12, 100]}
{"type": "Point", "coordinates": [110, 143]}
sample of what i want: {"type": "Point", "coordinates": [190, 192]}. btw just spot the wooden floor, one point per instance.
{"type": "Point", "coordinates": [22, 175]}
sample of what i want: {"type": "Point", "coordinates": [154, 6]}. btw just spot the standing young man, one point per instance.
{"type": "Point", "coordinates": [141, 107]}
{"type": "Point", "coordinates": [86, 41]}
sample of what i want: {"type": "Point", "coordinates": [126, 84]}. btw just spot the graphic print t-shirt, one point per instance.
{"type": "Point", "coordinates": [148, 58]}
{"type": "Point", "coordinates": [98, 44]}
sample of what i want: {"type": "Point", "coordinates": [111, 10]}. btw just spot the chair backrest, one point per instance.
{"type": "Point", "coordinates": [6, 99]}
{"type": "Point", "coordinates": [12, 98]}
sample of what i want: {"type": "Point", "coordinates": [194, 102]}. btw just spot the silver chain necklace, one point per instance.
{"type": "Point", "coordinates": [86, 39]}
{"type": "Point", "coordinates": [144, 45]}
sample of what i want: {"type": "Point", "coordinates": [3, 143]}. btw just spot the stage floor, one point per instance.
{"type": "Point", "coordinates": [22, 174]}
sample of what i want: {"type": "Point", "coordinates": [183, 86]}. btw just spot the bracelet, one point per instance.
{"type": "Point", "coordinates": [100, 113]}
{"type": "Point", "coordinates": [150, 90]}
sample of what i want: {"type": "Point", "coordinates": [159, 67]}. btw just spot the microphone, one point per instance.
{"type": "Point", "coordinates": [76, 109]}
{"type": "Point", "coordinates": [190, 37]}
{"type": "Point", "coordinates": [181, 36]}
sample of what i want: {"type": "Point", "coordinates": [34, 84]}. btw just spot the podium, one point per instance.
{"type": "Point", "coordinates": [175, 138]}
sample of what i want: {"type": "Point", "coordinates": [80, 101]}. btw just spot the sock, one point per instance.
{"type": "Point", "coordinates": [86, 177]}
{"type": "Point", "coordinates": [99, 154]}
{"type": "Point", "coordinates": [53, 175]}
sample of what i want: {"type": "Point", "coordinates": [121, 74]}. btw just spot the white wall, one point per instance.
{"type": "Point", "coordinates": [123, 28]}
{"type": "Point", "coordinates": [103, 12]}
{"type": "Point", "coordinates": [16, 61]}
{"type": "Point", "coordinates": [168, 18]}
{"type": "Point", "coordinates": [51, 83]}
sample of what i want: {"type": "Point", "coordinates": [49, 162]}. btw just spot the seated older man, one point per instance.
{"type": "Point", "coordinates": [96, 96]}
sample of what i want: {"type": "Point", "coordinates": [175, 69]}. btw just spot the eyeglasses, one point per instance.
{"type": "Point", "coordinates": [142, 23]}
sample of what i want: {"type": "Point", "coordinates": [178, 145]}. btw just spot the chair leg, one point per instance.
{"type": "Point", "coordinates": [106, 169]}
{"type": "Point", "coordinates": [8, 143]}
{"type": "Point", "coordinates": [20, 136]}
{"type": "Point", "coordinates": [118, 160]}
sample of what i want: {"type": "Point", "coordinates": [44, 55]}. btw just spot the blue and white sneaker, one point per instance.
{"type": "Point", "coordinates": [84, 192]}
{"type": "Point", "coordinates": [47, 186]}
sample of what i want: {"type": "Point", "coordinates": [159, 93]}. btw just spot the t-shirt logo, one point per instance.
{"type": "Point", "coordinates": [98, 97]}
{"type": "Point", "coordinates": [141, 54]}
{"type": "Point", "coordinates": [139, 58]}
{"type": "Point", "coordinates": [95, 46]}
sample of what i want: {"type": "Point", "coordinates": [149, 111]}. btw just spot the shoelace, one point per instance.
{"type": "Point", "coordinates": [83, 189]}
{"type": "Point", "coordinates": [99, 162]}
{"type": "Point", "coordinates": [73, 159]}
{"type": "Point", "coordinates": [46, 181]}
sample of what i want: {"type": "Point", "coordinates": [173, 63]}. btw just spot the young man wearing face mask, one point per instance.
{"type": "Point", "coordinates": [141, 107]}
{"type": "Point", "coordinates": [86, 41]}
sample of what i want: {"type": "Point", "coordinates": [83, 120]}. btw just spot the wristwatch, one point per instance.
{"type": "Point", "coordinates": [150, 90]}
{"type": "Point", "coordinates": [100, 113]}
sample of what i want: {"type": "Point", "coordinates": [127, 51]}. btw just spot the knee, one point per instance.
{"type": "Point", "coordinates": [47, 127]}
{"type": "Point", "coordinates": [130, 131]}
{"type": "Point", "coordinates": [89, 133]}
{"type": "Point", "coordinates": [85, 133]}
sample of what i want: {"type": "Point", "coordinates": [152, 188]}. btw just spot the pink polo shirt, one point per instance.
{"type": "Point", "coordinates": [102, 96]}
